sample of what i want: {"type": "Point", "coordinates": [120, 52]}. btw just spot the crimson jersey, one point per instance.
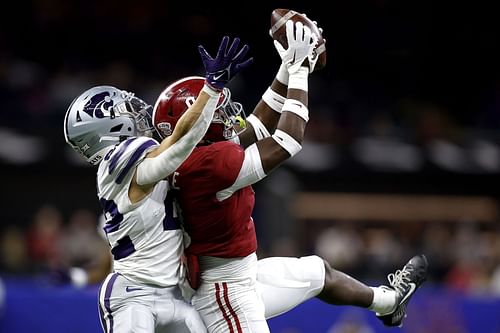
{"type": "Point", "coordinates": [217, 228]}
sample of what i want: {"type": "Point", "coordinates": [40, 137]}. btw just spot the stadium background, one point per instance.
{"type": "Point", "coordinates": [402, 152]}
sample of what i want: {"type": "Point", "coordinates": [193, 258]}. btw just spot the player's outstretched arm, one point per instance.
{"type": "Point", "coordinates": [267, 112]}
{"type": "Point", "coordinates": [192, 126]}
{"type": "Point", "coordinates": [286, 141]}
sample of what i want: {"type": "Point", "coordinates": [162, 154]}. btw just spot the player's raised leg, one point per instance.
{"type": "Point", "coordinates": [405, 281]}
{"type": "Point", "coordinates": [389, 302]}
{"type": "Point", "coordinates": [283, 283]}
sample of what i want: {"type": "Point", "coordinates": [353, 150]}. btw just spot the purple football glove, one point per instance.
{"type": "Point", "coordinates": [227, 63]}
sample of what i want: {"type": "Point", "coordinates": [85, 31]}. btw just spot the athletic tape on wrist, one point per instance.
{"type": "Point", "coordinates": [287, 142]}
{"type": "Point", "coordinates": [259, 128]}
{"type": "Point", "coordinates": [298, 80]}
{"type": "Point", "coordinates": [297, 107]}
{"type": "Point", "coordinates": [210, 91]}
{"type": "Point", "coordinates": [274, 100]}
{"type": "Point", "coordinates": [282, 75]}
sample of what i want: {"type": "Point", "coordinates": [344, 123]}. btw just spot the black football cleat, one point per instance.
{"type": "Point", "coordinates": [405, 282]}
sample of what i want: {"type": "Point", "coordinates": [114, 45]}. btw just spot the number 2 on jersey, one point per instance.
{"type": "Point", "coordinates": [171, 220]}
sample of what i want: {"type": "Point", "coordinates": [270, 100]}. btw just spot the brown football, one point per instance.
{"type": "Point", "coordinates": [278, 31]}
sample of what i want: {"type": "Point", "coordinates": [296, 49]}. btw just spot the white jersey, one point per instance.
{"type": "Point", "coordinates": [145, 238]}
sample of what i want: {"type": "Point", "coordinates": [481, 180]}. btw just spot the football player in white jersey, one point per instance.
{"type": "Point", "coordinates": [111, 129]}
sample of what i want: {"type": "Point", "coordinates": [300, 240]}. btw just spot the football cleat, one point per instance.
{"type": "Point", "coordinates": [405, 282]}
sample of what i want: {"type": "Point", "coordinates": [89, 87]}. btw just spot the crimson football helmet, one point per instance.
{"type": "Point", "coordinates": [229, 117]}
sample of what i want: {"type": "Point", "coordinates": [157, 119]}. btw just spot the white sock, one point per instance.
{"type": "Point", "coordinates": [384, 300]}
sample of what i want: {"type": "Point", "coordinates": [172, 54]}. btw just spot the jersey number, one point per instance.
{"type": "Point", "coordinates": [124, 246]}
{"type": "Point", "coordinates": [111, 214]}
{"type": "Point", "coordinates": [171, 220]}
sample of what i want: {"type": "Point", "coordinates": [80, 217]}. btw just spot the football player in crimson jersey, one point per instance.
{"type": "Point", "coordinates": [236, 292]}
{"type": "Point", "coordinates": [110, 128]}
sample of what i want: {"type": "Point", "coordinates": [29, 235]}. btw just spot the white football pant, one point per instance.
{"type": "Point", "coordinates": [238, 295]}
{"type": "Point", "coordinates": [125, 306]}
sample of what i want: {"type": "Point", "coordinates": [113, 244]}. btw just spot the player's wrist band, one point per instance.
{"type": "Point", "coordinates": [298, 80]}
{"type": "Point", "coordinates": [274, 100]}
{"type": "Point", "coordinates": [212, 92]}
{"type": "Point", "coordinates": [282, 75]}
{"type": "Point", "coordinates": [259, 128]}
{"type": "Point", "coordinates": [287, 142]}
{"type": "Point", "coordinates": [297, 107]}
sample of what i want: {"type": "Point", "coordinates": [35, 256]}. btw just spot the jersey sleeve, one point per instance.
{"type": "Point", "coordinates": [127, 155]}
{"type": "Point", "coordinates": [250, 172]}
{"type": "Point", "coordinates": [117, 169]}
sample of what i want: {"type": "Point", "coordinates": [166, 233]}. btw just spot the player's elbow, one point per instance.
{"type": "Point", "coordinates": [275, 157]}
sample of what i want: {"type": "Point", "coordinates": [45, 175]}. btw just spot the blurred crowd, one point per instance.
{"type": "Point", "coordinates": [463, 255]}
{"type": "Point", "coordinates": [50, 246]}
{"type": "Point", "coordinates": [401, 77]}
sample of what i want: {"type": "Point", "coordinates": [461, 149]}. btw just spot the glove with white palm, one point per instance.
{"type": "Point", "coordinates": [301, 43]}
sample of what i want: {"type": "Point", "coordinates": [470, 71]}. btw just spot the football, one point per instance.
{"type": "Point", "coordinates": [278, 31]}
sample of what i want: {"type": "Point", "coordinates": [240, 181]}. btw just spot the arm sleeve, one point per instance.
{"type": "Point", "coordinates": [152, 170]}
{"type": "Point", "coordinates": [251, 172]}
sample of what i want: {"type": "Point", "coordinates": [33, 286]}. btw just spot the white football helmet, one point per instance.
{"type": "Point", "coordinates": [102, 117]}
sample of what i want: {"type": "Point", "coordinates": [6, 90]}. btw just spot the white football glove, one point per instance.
{"type": "Point", "coordinates": [313, 56]}
{"type": "Point", "coordinates": [300, 46]}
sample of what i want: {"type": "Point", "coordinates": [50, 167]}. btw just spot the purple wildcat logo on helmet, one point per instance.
{"type": "Point", "coordinates": [98, 104]}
